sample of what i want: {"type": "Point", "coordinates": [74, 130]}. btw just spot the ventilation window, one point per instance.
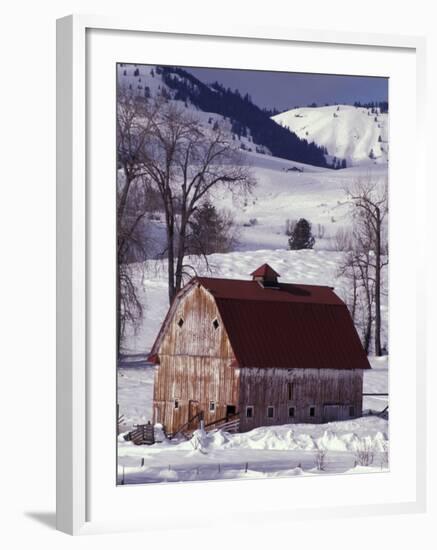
{"type": "Point", "coordinates": [215, 324]}
{"type": "Point", "coordinates": [312, 411]}
{"type": "Point", "coordinates": [212, 406]}
{"type": "Point", "coordinates": [270, 412]}
{"type": "Point", "coordinates": [180, 322]}
{"type": "Point", "coordinates": [176, 404]}
{"type": "Point", "coordinates": [291, 412]}
{"type": "Point", "coordinates": [290, 388]}
{"type": "Point", "coordinates": [249, 412]}
{"type": "Point", "coordinates": [351, 410]}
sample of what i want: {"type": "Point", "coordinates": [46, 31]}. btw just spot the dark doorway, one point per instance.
{"type": "Point", "coordinates": [193, 411]}
{"type": "Point", "coordinates": [230, 410]}
{"type": "Point", "coordinates": [331, 413]}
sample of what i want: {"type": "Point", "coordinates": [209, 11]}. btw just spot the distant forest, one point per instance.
{"type": "Point", "coordinates": [243, 115]}
{"type": "Point", "coordinates": [381, 105]}
{"type": "Point", "coordinates": [372, 105]}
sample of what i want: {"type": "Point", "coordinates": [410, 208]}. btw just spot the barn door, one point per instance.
{"type": "Point", "coordinates": [193, 410]}
{"type": "Point", "coordinates": [331, 413]}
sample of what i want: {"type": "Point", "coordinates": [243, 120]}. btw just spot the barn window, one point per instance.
{"type": "Point", "coordinates": [291, 412]}
{"type": "Point", "coordinates": [215, 324]}
{"type": "Point", "coordinates": [176, 404]}
{"type": "Point", "coordinates": [270, 411]}
{"type": "Point", "coordinates": [180, 322]}
{"type": "Point", "coordinates": [212, 406]}
{"type": "Point", "coordinates": [290, 388]}
{"type": "Point", "coordinates": [351, 410]}
{"type": "Point", "coordinates": [249, 411]}
{"type": "Point", "coordinates": [312, 411]}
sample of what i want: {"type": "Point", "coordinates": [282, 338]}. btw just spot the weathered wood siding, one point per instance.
{"type": "Point", "coordinates": [195, 364]}
{"type": "Point", "coordinates": [261, 388]}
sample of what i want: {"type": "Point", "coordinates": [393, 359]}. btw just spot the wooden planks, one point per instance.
{"type": "Point", "coordinates": [261, 388]}
{"type": "Point", "coordinates": [195, 364]}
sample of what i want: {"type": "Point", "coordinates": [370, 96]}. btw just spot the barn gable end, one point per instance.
{"type": "Point", "coordinates": [196, 370]}
{"type": "Point", "coordinates": [195, 327]}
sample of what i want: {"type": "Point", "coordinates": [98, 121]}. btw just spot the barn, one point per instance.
{"type": "Point", "coordinates": [259, 350]}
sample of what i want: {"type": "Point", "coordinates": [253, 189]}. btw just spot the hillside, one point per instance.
{"type": "Point", "coordinates": [250, 127]}
{"type": "Point", "coordinates": [284, 190]}
{"type": "Point", "coordinates": [355, 134]}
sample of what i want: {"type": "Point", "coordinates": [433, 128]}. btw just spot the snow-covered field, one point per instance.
{"type": "Point", "coordinates": [281, 193]}
{"type": "Point", "coordinates": [264, 452]}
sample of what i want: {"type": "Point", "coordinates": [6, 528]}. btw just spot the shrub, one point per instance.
{"type": "Point", "coordinates": [364, 453]}
{"type": "Point", "coordinates": [320, 458]}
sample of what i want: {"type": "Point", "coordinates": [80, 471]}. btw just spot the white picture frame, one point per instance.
{"type": "Point", "coordinates": [76, 343]}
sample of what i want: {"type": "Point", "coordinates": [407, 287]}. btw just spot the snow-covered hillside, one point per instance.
{"type": "Point", "coordinates": [284, 190]}
{"type": "Point", "coordinates": [353, 133]}
{"type": "Point", "coordinates": [147, 81]}
{"type": "Point", "coordinates": [291, 190]}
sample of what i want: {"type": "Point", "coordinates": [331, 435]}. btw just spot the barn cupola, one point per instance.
{"type": "Point", "coordinates": [266, 276]}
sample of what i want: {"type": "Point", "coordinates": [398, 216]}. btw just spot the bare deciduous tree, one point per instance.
{"type": "Point", "coordinates": [343, 240]}
{"type": "Point", "coordinates": [186, 162]}
{"type": "Point", "coordinates": [289, 226]}
{"type": "Point", "coordinates": [368, 254]}
{"type": "Point", "coordinates": [321, 229]}
{"type": "Point", "coordinates": [133, 202]}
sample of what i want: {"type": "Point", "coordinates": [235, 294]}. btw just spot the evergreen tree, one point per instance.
{"type": "Point", "coordinates": [211, 231]}
{"type": "Point", "coordinates": [301, 237]}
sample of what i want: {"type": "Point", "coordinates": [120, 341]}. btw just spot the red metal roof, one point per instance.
{"type": "Point", "coordinates": [237, 289]}
{"type": "Point", "coordinates": [293, 326]}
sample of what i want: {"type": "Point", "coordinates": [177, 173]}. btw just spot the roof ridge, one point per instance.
{"type": "Point", "coordinates": [255, 282]}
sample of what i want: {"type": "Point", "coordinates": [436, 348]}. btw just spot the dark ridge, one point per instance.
{"type": "Point", "coordinates": [243, 115]}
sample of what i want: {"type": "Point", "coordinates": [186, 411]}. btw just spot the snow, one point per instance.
{"type": "Point", "coordinates": [347, 132]}
{"type": "Point", "coordinates": [263, 452]}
